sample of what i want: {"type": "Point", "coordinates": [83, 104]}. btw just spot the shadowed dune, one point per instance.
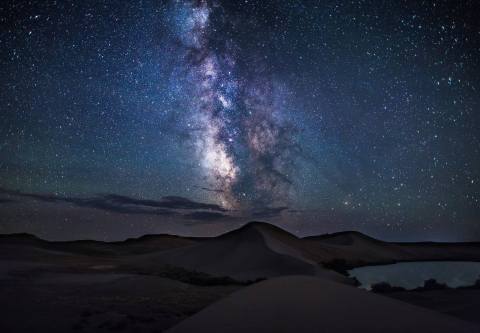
{"type": "Point", "coordinates": [254, 251]}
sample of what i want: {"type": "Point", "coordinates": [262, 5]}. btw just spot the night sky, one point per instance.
{"type": "Point", "coordinates": [122, 118]}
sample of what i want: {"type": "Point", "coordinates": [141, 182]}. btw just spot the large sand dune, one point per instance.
{"type": "Point", "coordinates": [259, 250]}
{"type": "Point", "coordinates": [253, 252]}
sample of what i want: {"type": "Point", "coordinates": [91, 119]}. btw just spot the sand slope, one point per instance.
{"type": "Point", "coordinates": [252, 252]}
{"type": "Point", "coordinates": [256, 250]}
{"type": "Point", "coordinates": [242, 254]}
{"type": "Point", "coordinates": [308, 304]}
{"type": "Point", "coordinates": [29, 245]}
{"type": "Point", "coordinates": [260, 250]}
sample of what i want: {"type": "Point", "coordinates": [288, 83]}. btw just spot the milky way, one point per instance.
{"type": "Point", "coordinates": [244, 147]}
{"type": "Point", "coordinates": [318, 116]}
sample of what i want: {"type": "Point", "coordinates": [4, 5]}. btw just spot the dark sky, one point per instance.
{"type": "Point", "coordinates": [124, 118]}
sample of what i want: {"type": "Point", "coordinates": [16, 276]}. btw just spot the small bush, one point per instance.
{"type": "Point", "coordinates": [477, 284]}
{"type": "Point", "coordinates": [339, 265]}
{"type": "Point", "coordinates": [432, 284]}
{"type": "Point", "coordinates": [202, 279]}
{"type": "Point", "coordinates": [384, 287]}
{"type": "Point", "coordinates": [193, 277]}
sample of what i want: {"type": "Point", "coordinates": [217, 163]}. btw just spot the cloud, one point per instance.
{"type": "Point", "coordinates": [42, 197]}
{"type": "Point", "coordinates": [105, 203]}
{"type": "Point", "coordinates": [168, 202]}
{"type": "Point", "coordinates": [208, 189]}
{"type": "Point", "coordinates": [268, 212]}
{"type": "Point", "coordinates": [167, 206]}
{"type": "Point", "coordinates": [206, 216]}
{"type": "Point", "coordinates": [184, 203]}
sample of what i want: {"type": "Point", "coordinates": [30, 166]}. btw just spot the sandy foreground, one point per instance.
{"type": "Point", "coordinates": [309, 304]}
{"type": "Point", "coordinates": [38, 298]}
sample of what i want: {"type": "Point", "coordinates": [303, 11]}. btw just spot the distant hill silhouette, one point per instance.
{"type": "Point", "coordinates": [255, 250]}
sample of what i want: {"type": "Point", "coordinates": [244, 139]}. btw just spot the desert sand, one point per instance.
{"type": "Point", "coordinates": [308, 304]}
{"type": "Point", "coordinates": [157, 282]}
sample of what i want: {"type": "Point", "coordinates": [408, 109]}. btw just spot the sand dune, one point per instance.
{"type": "Point", "coordinates": [260, 250]}
{"type": "Point", "coordinates": [30, 245]}
{"type": "Point", "coordinates": [256, 250]}
{"type": "Point", "coordinates": [112, 281]}
{"type": "Point", "coordinates": [249, 253]}
{"type": "Point", "coordinates": [357, 249]}
{"type": "Point", "coordinates": [308, 304]}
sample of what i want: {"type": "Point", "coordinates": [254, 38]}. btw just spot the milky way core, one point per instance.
{"type": "Point", "coordinates": [242, 143]}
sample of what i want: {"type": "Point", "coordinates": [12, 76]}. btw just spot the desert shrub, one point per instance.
{"type": "Point", "coordinates": [477, 284]}
{"type": "Point", "coordinates": [339, 265]}
{"type": "Point", "coordinates": [201, 278]}
{"type": "Point", "coordinates": [188, 276]}
{"type": "Point", "coordinates": [384, 287]}
{"type": "Point", "coordinates": [432, 284]}
{"type": "Point", "coordinates": [355, 281]}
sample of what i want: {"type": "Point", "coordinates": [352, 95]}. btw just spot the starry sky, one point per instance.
{"type": "Point", "coordinates": [192, 117]}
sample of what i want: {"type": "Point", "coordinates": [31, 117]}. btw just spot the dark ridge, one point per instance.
{"type": "Point", "coordinates": [336, 238]}
{"type": "Point", "coordinates": [20, 236]}
{"type": "Point", "coordinates": [256, 225]}
{"type": "Point", "coordinates": [427, 243]}
{"type": "Point", "coordinates": [148, 237]}
{"type": "Point", "coordinates": [343, 238]}
{"type": "Point", "coordinates": [350, 234]}
{"type": "Point", "coordinates": [151, 237]}
{"type": "Point", "coordinates": [246, 226]}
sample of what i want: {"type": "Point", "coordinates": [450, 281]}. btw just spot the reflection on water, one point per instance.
{"type": "Point", "coordinates": [411, 275]}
